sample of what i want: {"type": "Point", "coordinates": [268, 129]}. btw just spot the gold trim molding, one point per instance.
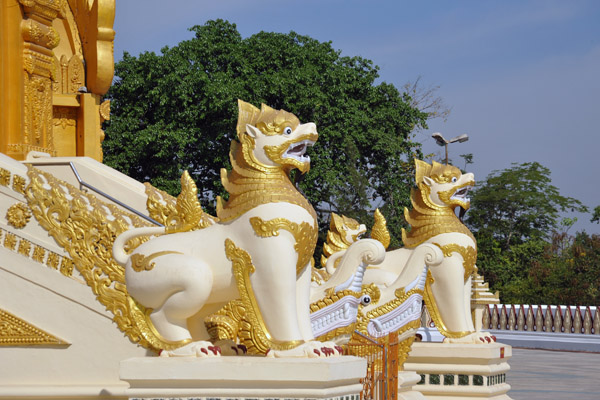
{"type": "Point", "coordinates": [15, 331]}
{"type": "Point", "coordinates": [39, 254]}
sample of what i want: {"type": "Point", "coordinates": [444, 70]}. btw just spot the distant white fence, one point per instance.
{"type": "Point", "coordinates": [543, 318]}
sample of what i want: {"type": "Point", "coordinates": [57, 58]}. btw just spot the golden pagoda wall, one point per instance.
{"type": "Point", "coordinates": [56, 64]}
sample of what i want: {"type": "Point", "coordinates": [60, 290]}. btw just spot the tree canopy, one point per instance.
{"type": "Point", "coordinates": [517, 204]}
{"type": "Point", "coordinates": [524, 249]}
{"type": "Point", "coordinates": [178, 111]}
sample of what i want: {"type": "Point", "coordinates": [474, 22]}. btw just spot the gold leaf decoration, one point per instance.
{"type": "Point", "coordinates": [435, 313]}
{"type": "Point", "coordinates": [178, 215]}
{"type": "Point", "coordinates": [253, 332]}
{"type": "Point", "coordinates": [380, 231]}
{"type": "Point", "coordinates": [4, 177]}
{"type": "Point", "coordinates": [304, 233]}
{"type": "Point", "coordinates": [468, 253]}
{"type": "Point", "coordinates": [140, 263]}
{"type": "Point", "coordinates": [86, 228]}
{"type": "Point", "coordinates": [15, 331]}
{"type": "Point", "coordinates": [18, 215]}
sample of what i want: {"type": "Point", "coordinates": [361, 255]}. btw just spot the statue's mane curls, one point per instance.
{"type": "Point", "coordinates": [267, 119]}
{"type": "Point", "coordinates": [438, 172]}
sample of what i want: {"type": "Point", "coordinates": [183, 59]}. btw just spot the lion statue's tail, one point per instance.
{"type": "Point", "coordinates": [119, 253]}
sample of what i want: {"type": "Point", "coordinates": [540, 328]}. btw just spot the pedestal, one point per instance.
{"type": "Point", "coordinates": [457, 371]}
{"type": "Point", "coordinates": [336, 378]}
{"type": "Point", "coordinates": [406, 386]}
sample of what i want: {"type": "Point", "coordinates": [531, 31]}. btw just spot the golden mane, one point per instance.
{"type": "Point", "coordinates": [426, 218]}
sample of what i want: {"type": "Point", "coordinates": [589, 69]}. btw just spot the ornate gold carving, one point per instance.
{"type": "Point", "coordinates": [39, 38]}
{"type": "Point", "coordinates": [24, 247]}
{"type": "Point", "coordinates": [105, 111]}
{"type": "Point", "coordinates": [19, 184]}
{"type": "Point", "coordinates": [39, 34]}
{"type": "Point", "coordinates": [379, 230]}
{"type": "Point", "coordinates": [53, 260]}
{"type": "Point", "coordinates": [140, 263]}
{"type": "Point", "coordinates": [401, 297]}
{"type": "Point", "coordinates": [65, 116]}
{"type": "Point", "coordinates": [435, 313]}
{"type": "Point", "coordinates": [39, 253]}
{"type": "Point", "coordinates": [48, 9]}
{"type": "Point", "coordinates": [469, 255]}
{"type": "Point", "coordinates": [97, 39]}
{"type": "Point", "coordinates": [225, 323]}
{"type": "Point", "coordinates": [86, 228]}
{"type": "Point", "coordinates": [268, 120]}
{"type": "Point", "coordinates": [253, 332]}
{"type": "Point", "coordinates": [15, 331]}
{"type": "Point", "coordinates": [10, 241]}
{"type": "Point", "coordinates": [18, 215]}
{"type": "Point", "coordinates": [75, 74]}
{"type": "Point", "coordinates": [178, 215]}
{"type": "Point", "coordinates": [304, 234]}
{"type": "Point", "coordinates": [66, 267]}
{"type": "Point", "coordinates": [38, 113]}
{"type": "Point", "coordinates": [4, 177]}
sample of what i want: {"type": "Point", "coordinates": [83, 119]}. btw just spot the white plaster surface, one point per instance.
{"type": "Point", "coordinates": [243, 376]}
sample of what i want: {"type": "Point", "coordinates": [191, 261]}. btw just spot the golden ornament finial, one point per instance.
{"type": "Point", "coordinates": [380, 231]}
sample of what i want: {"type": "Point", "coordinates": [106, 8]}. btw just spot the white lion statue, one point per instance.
{"type": "Point", "coordinates": [259, 248]}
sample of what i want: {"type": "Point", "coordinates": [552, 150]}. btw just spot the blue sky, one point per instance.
{"type": "Point", "coordinates": [522, 77]}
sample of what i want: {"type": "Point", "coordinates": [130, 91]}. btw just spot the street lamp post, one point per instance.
{"type": "Point", "coordinates": [439, 139]}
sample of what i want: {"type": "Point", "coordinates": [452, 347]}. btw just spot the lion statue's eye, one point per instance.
{"type": "Point", "coordinates": [287, 130]}
{"type": "Point", "coordinates": [365, 300]}
{"type": "Point", "coordinates": [454, 179]}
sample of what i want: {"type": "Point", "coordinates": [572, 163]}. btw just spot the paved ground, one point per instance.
{"type": "Point", "coordinates": [553, 375]}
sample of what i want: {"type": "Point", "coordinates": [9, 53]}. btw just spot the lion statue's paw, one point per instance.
{"type": "Point", "coordinates": [474, 338]}
{"type": "Point", "coordinates": [230, 348]}
{"type": "Point", "coordinates": [195, 349]}
{"type": "Point", "coordinates": [312, 349]}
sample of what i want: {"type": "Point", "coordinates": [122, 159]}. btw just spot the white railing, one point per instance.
{"type": "Point", "coordinates": [542, 318]}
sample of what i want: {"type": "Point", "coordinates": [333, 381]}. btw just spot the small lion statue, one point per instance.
{"type": "Point", "coordinates": [259, 248]}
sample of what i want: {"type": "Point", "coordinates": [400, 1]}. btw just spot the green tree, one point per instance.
{"type": "Point", "coordinates": [596, 215]}
{"type": "Point", "coordinates": [523, 245]}
{"type": "Point", "coordinates": [517, 204]}
{"type": "Point", "coordinates": [566, 275]}
{"type": "Point", "coordinates": [178, 110]}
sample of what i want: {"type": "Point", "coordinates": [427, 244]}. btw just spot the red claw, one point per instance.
{"type": "Point", "coordinates": [493, 338]}
{"type": "Point", "coordinates": [488, 339]}
{"type": "Point", "coordinates": [339, 349]}
{"type": "Point", "coordinates": [327, 351]}
{"type": "Point", "coordinates": [317, 352]}
{"type": "Point", "coordinates": [204, 351]}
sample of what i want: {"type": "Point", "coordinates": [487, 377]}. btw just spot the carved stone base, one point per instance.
{"type": "Point", "coordinates": [406, 386]}
{"type": "Point", "coordinates": [243, 377]}
{"type": "Point", "coordinates": [456, 371]}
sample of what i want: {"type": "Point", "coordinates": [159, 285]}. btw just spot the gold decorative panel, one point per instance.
{"type": "Point", "coordinates": [15, 331]}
